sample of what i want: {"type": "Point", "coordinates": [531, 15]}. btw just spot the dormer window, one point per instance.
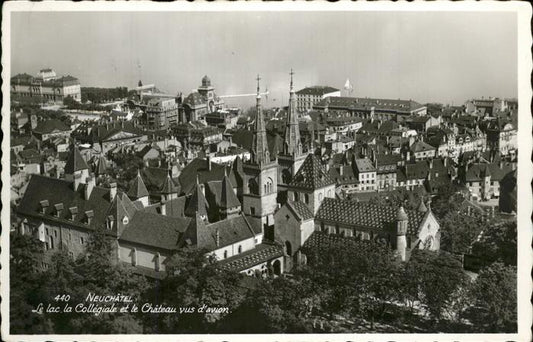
{"type": "Point", "coordinates": [58, 208]}
{"type": "Point", "coordinates": [125, 220]}
{"type": "Point", "coordinates": [89, 214]}
{"type": "Point", "coordinates": [73, 212]}
{"type": "Point", "coordinates": [44, 205]}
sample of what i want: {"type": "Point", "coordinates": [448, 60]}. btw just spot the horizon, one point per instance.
{"type": "Point", "coordinates": [383, 54]}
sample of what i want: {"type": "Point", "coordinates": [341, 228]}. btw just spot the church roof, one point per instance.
{"type": "Point", "coordinates": [259, 254]}
{"type": "Point", "coordinates": [311, 175]}
{"type": "Point", "coordinates": [137, 188]}
{"type": "Point", "coordinates": [75, 161]}
{"type": "Point", "coordinates": [365, 215]}
{"type": "Point", "coordinates": [300, 209]}
{"type": "Point", "coordinates": [101, 165]}
{"type": "Point", "coordinates": [228, 198]}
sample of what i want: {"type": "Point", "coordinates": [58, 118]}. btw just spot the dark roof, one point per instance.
{"type": "Point", "coordinates": [477, 171]}
{"type": "Point", "coordinates": [197, 203]}
{"type": "Point", "coordinates": [57, 191]}
{"type": "Point", "coordinates": [101, 165]}
{"type": "Point", "coordinates": [195, 99]}
{"type": "Point", "coordinates": [48, 126]}
{"type": "Point", "coordinates": [300, 209]}
{"type": "Point", "coordinates": [365, 215]}
{"type": "Point", "coordinates": [75, 161]}
{"type": "Point", "coordinates": [155, 230]}
{"type": "Point", "coordinates": [169, 186]}
{"type": "Point", "coordinates": [347, 177]}
{"type": "Point", "coordinates": [316, 90]}
{"type": "Point", "coordinates": [322, 241]}
{"type": "Point", "coordinates": [199, 169]}
{"type": "Point", "coordinates": [311, 175]}
{"type": "Point", "coordinates": [404, 106]}
{"type": "Point", "coordinates": [250, 258]}
{"type": "Point", "coordinates": [176, 206]}
{"type": "Point", "coordinates": [230, 231]}
{"type": "Point", "coordinates": [137, 188]}
{"type": "Point", "coordinates": [154, 177]}
{"type": "Point", "coordinates": [224, 194]}
{"type": "Point", "coordinates": [421, 146]}
{"type": "Point", "coordinates": [364, 165]}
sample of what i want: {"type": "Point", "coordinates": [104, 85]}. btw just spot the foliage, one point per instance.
{"type": "Point", "coordinates": [495, 297]}
{"type": "Point", "coordinates": [102, 95]}
{"type": "Point", "coordinates": [498, 243]}
{"type": "Point", "coordinates": [127, 165]}
{"type": "Point", "coordinates": [439, 276]}
{"type": "Point", "coordinates": [458, 231]}
{"type": "Point", "coordinates": [70, 103]}
{"type": "Point", "coordinates": [409, 199]}
{"type": "Point", "coordinates": [193, 281]}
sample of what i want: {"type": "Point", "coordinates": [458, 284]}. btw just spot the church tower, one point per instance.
{"type": "Point", "coordinates": [402, 221]}
{"type": "Point", "coordinates": [292, 156]}
{"type": "Point", "coordinates": [260, 175]}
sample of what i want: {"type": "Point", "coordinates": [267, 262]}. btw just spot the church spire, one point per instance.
{"type": "Point", "coordinates": [292, 144]}
{"type": "Point", "coordinates": [260, 154]}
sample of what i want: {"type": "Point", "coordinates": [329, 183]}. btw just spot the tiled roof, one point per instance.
{"type": "Point", "coordinates": [48, 126]}
{"type": "Point", "coordinates": [30, 156]}
{"type": "Point", "coordinates": [477, 171]}
{"type": "Point", "coordinates": [176, 206]}
{"type": "Point", "coordinates": [300, 209]}
{"type": "Point", "coordinates": [316, 90]}
{"type": "Point", "coordinates": [101, 165]}
{"type": "Point", "coordinates": [311, 175]}
{"type": "Point", "coordinates": [155, 230]}
{"type": "Point", "coordinates": [365, 215]}
{"type": "Point", "coordinates": [169, 186]}
{"type": "Point", "coordinates": [195, 99]}
{"type": "Point", "coordinates": [250, 258]}
{"type": "Point", "coordinates": [322, 241]}
{"type": "Point", "coordinates": [347, 177]}
{"type": "Point", "coordinates": [137, 188]}
{"type": "Point", "coordinates": [56, 191]}
{"type": "Point", "coordinates": [75, 161]}
{"type": "Point", "coordinates": [93, 132]}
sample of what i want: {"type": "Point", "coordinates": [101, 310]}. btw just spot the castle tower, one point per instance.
{"type": "Point", "coordinates": [402, 221]}
{"type": "Point", "coordinates": [292, 156]}
{"type": "Point", "coordinates": [260, 185]}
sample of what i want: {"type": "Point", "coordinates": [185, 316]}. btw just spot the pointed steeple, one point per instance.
{"type": "Point", "coordinates": [260, 154]}
{"type": "Point", "coordinates": [293, 145]}
{"type": "Point", "coordinates": [137, 188]}
{"type": "Point", "coordinates": [169, 189]}
{"type": "Point", "coordinates": [228, 198]}
{"type": "Point", "coordinates": [422, 207]}
{"type": "Point", "coordinates": [101, 166]}
{"type": "Point", "coordinates": [75, 161]}
{"type": "Point", "coordinates": [197, 204]}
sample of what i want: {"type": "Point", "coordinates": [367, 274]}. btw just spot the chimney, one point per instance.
{"type": "Point", "coordinates": [445, 162]}
{"type": "Point", "coordinates": [112, 191]}
{"type": "Point", "coordinates": [341, 170]}
{"type": "Point", "coordinates": [209, 166]}
{"type": "Point", "coordinates": [91, 183]}
{"type": "Point", "coordinates": [163, 207]}
{"type": "Point", "coordinates": [431, 164]}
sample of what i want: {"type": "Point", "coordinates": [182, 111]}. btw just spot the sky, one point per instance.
{"type": "Point", "coordinates": [446, 57]}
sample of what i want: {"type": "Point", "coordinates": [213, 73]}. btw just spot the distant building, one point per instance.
{"type": "Point", "coordinates": [46, 85]}
{"type": "Point", "coordinates": [307, 97]}
{"type": "Point", "coordinates": [161, 113]}
{"type": "Point", "coordinates": [201, 102]}
{"type": "Point", "coordinates": [384, 109]}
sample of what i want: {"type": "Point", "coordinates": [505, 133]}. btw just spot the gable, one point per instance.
{"type": "Point", "coordinates": [120, 135]}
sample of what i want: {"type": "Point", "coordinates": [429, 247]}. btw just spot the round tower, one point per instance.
{"type": "Point", "coordinates": [401, 232]}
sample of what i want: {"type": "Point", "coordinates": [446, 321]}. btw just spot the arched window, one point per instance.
{"type": "Point", "coordinates": [306, 198]}
{"type": "Point", "coordinates": [296, 196]}
{"type": "Point", "coordinates": [240, 249]}
{"type": "Point", "coordinates": [288, 248]}
{"type": "Point", "coordinates": [329, 193]}
{"type": "Point", "coordinates": [225, 254]}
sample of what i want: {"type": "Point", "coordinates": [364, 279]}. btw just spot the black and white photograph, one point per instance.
{"type": "Point", "coordinates": [299, 171]}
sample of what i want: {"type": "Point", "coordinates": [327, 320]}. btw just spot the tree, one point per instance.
{"type": "Point", "coordinates": [458, 231]}
{"type": "Point", "coordinates": [26, 277]}
{"type": "Point", "coordinates": [495, 299]}
{"type": "Point", "coordinates": [193, 281]}
{"type": "Point", "coordinates": [498, 244]}
{"type": "Point", "coordinates": [439, 276]}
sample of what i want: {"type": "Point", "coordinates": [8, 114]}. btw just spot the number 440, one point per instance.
{"type": "Point", "coordinates": [62, 298]}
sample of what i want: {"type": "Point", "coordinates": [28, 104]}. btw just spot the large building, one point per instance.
{"type": "Point", "coordinates": [46, 86]}
{"type": "Point", "coordinates": [384, 109]}
{"type": "Point", "coordinates": [307, 97]}
{"type": "Point", "coordinates": [201, 102]}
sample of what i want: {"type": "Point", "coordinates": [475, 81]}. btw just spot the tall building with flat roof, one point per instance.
{"type": "Point", "coordinates": [46, 85]}
{"type": "Point", "coordinates": [307, 97]}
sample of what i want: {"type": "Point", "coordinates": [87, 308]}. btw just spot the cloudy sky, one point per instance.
{"type": "Point", "coordinates": [444, 57]}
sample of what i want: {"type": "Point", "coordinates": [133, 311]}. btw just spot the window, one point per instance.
{"type": "Point", "coordinates": [82, 240]}
{"type": "Point", "coordinates": [252, 210]}
{"type": "Point", "coordinates": [225, 254]}
{"type": "Point", "coordinates": [306, 198]}
{"type": "Point", "coordinates": [47, 233]}
{"type": "Point", "coordinates": [55, 233]}
{"type": "Point", "coordinates": [239, 249]}
{"type": "Point", "coordinates": [320, 196]}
